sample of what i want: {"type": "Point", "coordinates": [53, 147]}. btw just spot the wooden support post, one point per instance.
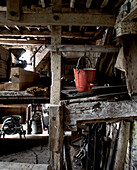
{"type": "Point", "coordinates": [56, 115]}
{"type": "Point", "coordinates": [56, 137]}
{"type": "Point", "coordinates": [122, 145]}
{"type": "Point", "coordinates": [55, 66]}
{"type": "Point", "coordinates": [14, 9]}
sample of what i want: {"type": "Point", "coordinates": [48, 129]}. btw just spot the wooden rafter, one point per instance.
{"type": "Point", "coordinates": [44, 33]}
{"type": "Point", "coordinates": [24, 42]}
{"type": "Point", "coordinates": [7, 27]}
{"type": "Point", "coordinates": [76, 19]}
{"type": "Point", "coordinates": [104, 3]}
{"type": "Point", "coordinates": [81, 48]}
{"type": "Point", "coordinates": [72, 3]}
{"type": "Point", "coordinates": [119, 2]}
{"type": "Point", "coordinates": [88, 3]}
{"type": "Point", "coordinates": [17, 27]}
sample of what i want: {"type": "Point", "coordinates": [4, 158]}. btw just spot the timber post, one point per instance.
{"type": "Point", "coordinates": [122, 145]}
{"type": "Point", "coordinates": [56, 113]}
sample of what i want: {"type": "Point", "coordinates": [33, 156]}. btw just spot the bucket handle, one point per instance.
{"type": "Point", "coordinates": [80, 59]}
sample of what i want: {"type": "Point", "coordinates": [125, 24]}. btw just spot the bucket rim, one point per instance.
{"type": "Point", "coordinates": [85, 69]}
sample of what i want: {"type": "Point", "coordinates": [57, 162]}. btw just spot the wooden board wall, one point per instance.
{"type": "Point", "coordinates": [4, 55]}
{"type": "Point", "coordinates": [21, 79]}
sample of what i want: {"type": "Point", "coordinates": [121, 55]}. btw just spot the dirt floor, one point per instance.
{"type": "Point", "coordinates": [30, 151]}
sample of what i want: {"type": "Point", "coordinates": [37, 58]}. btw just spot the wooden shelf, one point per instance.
{"type": "Point", "coordinates": [20, 97]}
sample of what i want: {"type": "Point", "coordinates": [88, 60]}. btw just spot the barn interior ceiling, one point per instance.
{"type": "Point", "coordinates": [40, 34]}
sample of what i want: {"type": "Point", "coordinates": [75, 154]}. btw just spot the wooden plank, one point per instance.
{"type": "Point", "coordinates": [56, 125]}
{"type": "Point", "coordinates": [22, 99]}
{"type": "Point", "coordinates": [81, 48]}
{"type": "Point", "coordinates": [88, 3]}
{"type": "Point", "coordinates": [76, 19]}
{"type": "Point", "coordinates": [56, 5]}
{"type": "Point", "coordinates": [122, 145]}
{"type": "Point", "coordinates": [97, 93]}
{"type": "Point", "coordinates": [14, 9]}
{"type": "Point", "coordinates": [99, 111]}
{"type": "Point", "coordinates": [56, 66]}
{"type": "Point", "coordinates": [72, 3]}
{"type": "Point", "coordinates": [1, 86]}
{"type": "Point", "coordinates": [56, 118]}
{"type": "Point", "coordinates": [4, 54]}
{"type": "Point", "coordinates": [21, 79]}
{"type": "Point", "coordinates": [104, 3]}
{"type": "Point", "coordinates": [130, 64]}
{"type": "Point", "coordinates": [118, 3]}
{"type": "Point", "coordinates": [42, 63]}
{"type": "Point", "coordinates": [43, 33]}
{"type": "Point", "coordinates": [26, 42]}
{"type": "Point", "coordinates": [56, 113]}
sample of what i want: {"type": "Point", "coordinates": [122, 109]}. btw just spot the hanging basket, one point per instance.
{"type": "Point", "coordinates": [84, 77]}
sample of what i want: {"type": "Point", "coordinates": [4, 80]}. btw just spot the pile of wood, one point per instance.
{"type": "Point", "coordinates": [38, 91]}
{"type": "Point", "coordinates": [21, 79]}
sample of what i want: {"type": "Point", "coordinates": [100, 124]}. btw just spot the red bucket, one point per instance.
{"type": "Point", "coordinates": [84, 77]}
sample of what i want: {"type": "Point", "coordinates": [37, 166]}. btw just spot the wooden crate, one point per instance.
{"type": "Point", "coordinates": [21, 79]}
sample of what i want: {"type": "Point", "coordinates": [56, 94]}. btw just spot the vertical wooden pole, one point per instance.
{"type": "Point", "coordinates": [56, 137]}
{"type": "Point", "coordinates": [55, 66]}
{"type": "Point", "coordinates": [122, 145]}
{"type": "Point", "coordinates": [56, 114]}
{"type": "Point", "coordinates": [34, 63]}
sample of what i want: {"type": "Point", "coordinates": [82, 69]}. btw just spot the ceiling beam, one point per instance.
{"type": "Point", "coordinates": [76, 19]}
{"type": "Point", "coordinates": [83, 48]}
{"type": "Point", "coordinates": [27, 42]}
{"type": "Point", "coordinates": [44, 33]}
{"type": "Point", "coordinates": [104, 3]}
{"type": "Point", "coordinates": [119, 2]}
{"type": "Point", "coordinates": [72, 3]}
{"type": "Point", "coordinates": [88, 3]}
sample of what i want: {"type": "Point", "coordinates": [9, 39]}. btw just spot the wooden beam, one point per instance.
{"type": "Point", "coordinates": [25, 42]}
{"type": "Point", "coordinates": [56, 5]}
{"type": "Point", "coordinates": [104, 3]}
{"type": "Point", "coordinates": [96, 111]}
{"type": "Point", "coordinates": [43, 62]}
{"type": "Point", "coordinates": [72, 3]}
{"type": "Point", "coordinates": [7, 27]}
{"type": "Point", "coordinates": [101, 97]}
{"type": "Point", "coordinates": [56, 66]}
{"type": "Point", "coordinates": [44, 33]}
{"type": "Point", "coordinates": [13, 9]}
{"type": "Point", "coordinates": [119, 2]}
{"type": "Point", "coordinates": [56, 127]}
{"type": "Point", "coordinates": [43, 3]}
{"type": "Point", "coordinates": [17, 27]}
{"type": "Point", "coordinates": [81, 48]}
{"type": "Point", "coordinates": [122, 145]}
{"type": "Point", "coordinates": [22, 99]}
{"type": "Point", "coordinates": [76, 19]}
{"type": "Point", "coordinates": [56, 114]}
{"type": "Point", "coordinates": [88, 3]}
